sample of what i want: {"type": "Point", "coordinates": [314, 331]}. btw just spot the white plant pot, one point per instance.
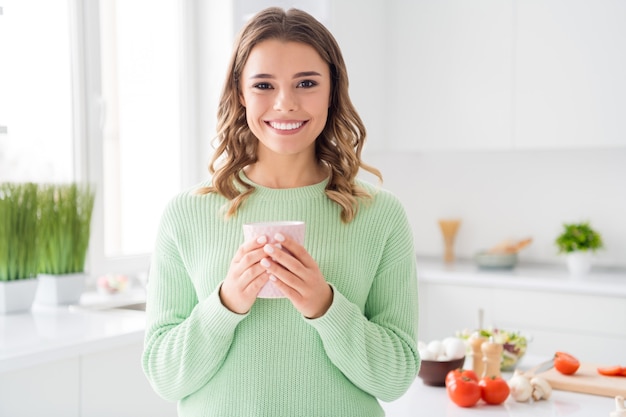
{"type": "Point", "coordinates": [17, 296]}
{"type": "Point", "coordinates": [579, 263]}
{"type": "Point", "coordinates": [60, 289]}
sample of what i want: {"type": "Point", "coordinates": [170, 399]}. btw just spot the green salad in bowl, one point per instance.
{"type": "Point", "coordinates": [514, 344]}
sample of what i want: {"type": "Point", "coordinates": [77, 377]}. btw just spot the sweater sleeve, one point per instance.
{"type": "Point", "coordinates": [377, 349]}
{"type": "Point", "coordinates": [186, 341]}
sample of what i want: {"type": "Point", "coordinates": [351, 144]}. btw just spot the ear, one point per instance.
{"type": "Point", "coordinates": [242, 100]}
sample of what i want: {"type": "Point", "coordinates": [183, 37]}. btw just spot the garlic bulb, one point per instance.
{"type": "Point", "coordinates": [521, 389]}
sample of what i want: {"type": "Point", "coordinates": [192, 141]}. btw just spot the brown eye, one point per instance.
{"type": "Point", "coordinates": [263, 86]}
{"type": "Point", "coordinates": [307, 84]}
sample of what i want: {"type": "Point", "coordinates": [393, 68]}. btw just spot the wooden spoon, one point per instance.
{"type": "Point", "coordinates": [508, 246]}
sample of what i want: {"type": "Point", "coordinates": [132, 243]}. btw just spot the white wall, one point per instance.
{"type": "Point", "coordinates": [500, 195]}
{"type": "Point", "coordinates": [363, 39]}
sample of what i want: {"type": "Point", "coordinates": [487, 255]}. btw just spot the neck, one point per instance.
{"type": "Point", "coordinates": [286, 175]}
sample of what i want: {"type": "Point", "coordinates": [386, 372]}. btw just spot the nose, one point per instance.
{"type": "Point", "coordinates": [285, 101]}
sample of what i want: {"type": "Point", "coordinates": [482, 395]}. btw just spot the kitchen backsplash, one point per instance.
{"type": "Point", "coordinates": [510, 194]}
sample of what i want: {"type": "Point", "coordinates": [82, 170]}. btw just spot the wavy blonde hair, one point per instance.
{"type": "Point", "coordinates": [339, 145]}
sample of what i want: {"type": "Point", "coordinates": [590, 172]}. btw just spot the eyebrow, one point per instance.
{"type": "Point", "coordinates": [297, 75]}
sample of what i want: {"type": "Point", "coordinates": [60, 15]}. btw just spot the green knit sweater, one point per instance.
{"type": "Point", "coordinates": [272, 361]}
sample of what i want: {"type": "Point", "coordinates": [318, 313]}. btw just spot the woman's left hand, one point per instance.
{"type": "Point", "coordinates": [297, 275]}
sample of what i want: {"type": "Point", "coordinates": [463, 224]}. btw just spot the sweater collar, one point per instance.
{"type": "Point", "coordinates": [266, 193]}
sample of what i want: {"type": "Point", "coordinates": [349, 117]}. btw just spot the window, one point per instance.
{"type": "Point", "coordinates": [35, 92]}
{"type": "Point", "coordinates": [141, 125]}
{"type": "Point", "coordinates": [99, 91]}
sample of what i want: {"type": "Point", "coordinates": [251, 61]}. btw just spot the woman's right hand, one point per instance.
{"type": "Point", "coordinates": [245, 277]}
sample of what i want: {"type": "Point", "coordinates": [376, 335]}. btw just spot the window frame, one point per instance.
{"type": "Point", "coordinates": [89, 116]}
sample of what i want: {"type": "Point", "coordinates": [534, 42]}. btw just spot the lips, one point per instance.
{"type": "Point", "coordinates": [286, 126]}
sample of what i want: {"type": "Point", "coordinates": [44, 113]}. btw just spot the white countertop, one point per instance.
{"type": "Point", "coordinates": [601, 281]}
{"type": "Point", "coordinates": [46, 334]}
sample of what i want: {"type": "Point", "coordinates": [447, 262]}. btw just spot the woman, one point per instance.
{"type": "Point", "coordinates": [289, 149]}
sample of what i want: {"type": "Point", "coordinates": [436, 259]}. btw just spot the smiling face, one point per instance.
{"type": "Point", "coordinates": [285, 88]}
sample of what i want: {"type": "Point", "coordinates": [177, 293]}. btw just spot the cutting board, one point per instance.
{"type": "Point", "coordinates": [587, 380]}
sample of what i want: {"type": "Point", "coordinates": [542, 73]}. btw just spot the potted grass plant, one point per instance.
{"type": "Point", "coordinates": [579, 241]}
{"type": "Point", "coordinates": [18, 246]}
{"type": "Point", "coordinates": [64, 231]}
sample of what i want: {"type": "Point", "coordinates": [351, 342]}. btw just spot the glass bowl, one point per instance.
{"type": "Point", "coordinates": [514, 344]}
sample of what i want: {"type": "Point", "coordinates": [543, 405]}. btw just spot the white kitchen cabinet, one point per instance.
{"type": "Point", "coordinates": [81, 361]}
{"type": "Point", "coordinates": [450, 71]}
{"type": "Point", "coordinates": [589, 326]}
{"type": "Point", "coordinates": [50, 390]}
{"type": "Point", "coordinates": [499, 75]}
{"type": "Point", "coordinates": [570, 61]}
{"type": "Point", "coordinates": [100, 384]}
{"type": "Point", "coordinates": [113, 384]}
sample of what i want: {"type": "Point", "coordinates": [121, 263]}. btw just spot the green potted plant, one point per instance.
{"type": "Point", "coordinates": [18, 246]}
{"type": "Point", "coordinates": [65, 228]}
{"type": "Point", "coordinates": [579, 241]}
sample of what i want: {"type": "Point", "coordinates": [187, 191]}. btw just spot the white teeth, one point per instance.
{"type": "Point", "coordinates": [286, 126]}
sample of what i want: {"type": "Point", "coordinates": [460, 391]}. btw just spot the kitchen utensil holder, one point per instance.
{"type": "Point", "coordinates": [449, 229]}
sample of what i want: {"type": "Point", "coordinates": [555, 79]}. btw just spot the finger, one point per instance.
{"type": "Point", "coordinates": [255, 285]}
{"type": "Point", "coordinates": [288, 291]}
{"type": "Point", "coordinates": [248, 246]}
{"type": "Point", "coordinates": [297, 250]}
{"type": "Point", "coordinates": [283, 277]}
{"type": "Point", "coordinates": [252, 272]}
{"type": "Point", "coordinates": [287, 268]}
{"type": "Point", "coordinates": [280, 254]}
{"type": "Point", "coordinates": [251, 258]}
{"type": "Point", "coordinates": [252, 244]}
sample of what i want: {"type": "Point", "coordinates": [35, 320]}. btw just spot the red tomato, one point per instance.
{"type": "Point", "coordinates": [565, 363]}
{"type": "Point", "coordinates": [494, 390]}
{"type": "Point", "coordinates": [612, 371]}
{"type": "Point", "coordinates": [464, 391]}
{"type": "Point", "coordinates": [458, 373]}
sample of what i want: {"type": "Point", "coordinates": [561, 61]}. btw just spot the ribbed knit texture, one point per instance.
{"type": "Point", "coordinates": [272, 361]}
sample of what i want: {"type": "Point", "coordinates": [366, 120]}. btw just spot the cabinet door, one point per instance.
{"type": "Point", "coordinates": [590, 327]}
{"type": "Point", "coordinates": [569, 74]}
{"type": "Point", "coordinates": [446, 309]}
{"type": "Point", "coordinates": [49, 390]}
{"type": "Point", "coordinates": [113, 384]}
{"type": "Point", "coordinates": [450, 75]}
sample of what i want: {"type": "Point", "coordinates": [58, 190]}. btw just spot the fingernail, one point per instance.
{"type": "Point", "coordinates": [268, 249]}
{"type": "Point", "coordinates": [261, 239]}
{"type": "Point", "coordinates": [265, 263]}
{"type": "Point", "coordinates": [272, 278]}
{"type": "Point", "coordinates": [279, 237]}
{"type": "Point", "coordinates": [279, 246]}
